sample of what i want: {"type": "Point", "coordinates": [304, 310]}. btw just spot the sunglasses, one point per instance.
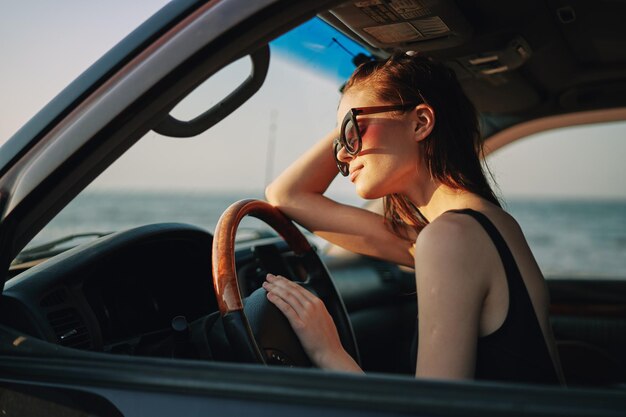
{"type": "Point", "coordinates": [350, 134]}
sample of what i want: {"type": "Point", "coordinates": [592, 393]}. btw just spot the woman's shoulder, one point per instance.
{"type": "Point", "coordinates": [449, 226]}
{"type": "Point", "coordinates": [456, 235]}
{"type": "Point", "coordinates": [449, 255]}
{"type": "Point", "coordinates": [449, 236]}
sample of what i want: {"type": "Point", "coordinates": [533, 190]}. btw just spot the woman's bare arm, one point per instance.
{"type": "Point", "coordinates": [298, 192]}
{"type": "Point", "coordinates": [451, 287]}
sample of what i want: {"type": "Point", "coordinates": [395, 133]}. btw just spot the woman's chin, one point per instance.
{"type": "Point", "coordinates": [367, 193]}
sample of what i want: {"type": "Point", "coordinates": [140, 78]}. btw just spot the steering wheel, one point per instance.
{"type": "Point", "coordinates": [256, 329]}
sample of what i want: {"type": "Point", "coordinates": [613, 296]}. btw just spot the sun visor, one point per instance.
{"type": "Point", "coordinates": [418, 25]}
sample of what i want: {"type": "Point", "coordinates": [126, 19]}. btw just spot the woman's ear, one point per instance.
{"type": "Point", "coordinates": [424, 121]}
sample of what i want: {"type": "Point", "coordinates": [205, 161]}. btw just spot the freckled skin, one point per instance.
{"type": "Point", "coordinates": [390, 157]}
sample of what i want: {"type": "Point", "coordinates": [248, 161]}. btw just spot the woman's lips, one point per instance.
{"type": "Point", "coordinates": [354, 174]}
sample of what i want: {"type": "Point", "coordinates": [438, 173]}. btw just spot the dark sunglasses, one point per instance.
{"type": "Point", "coordinates": [350, 134]}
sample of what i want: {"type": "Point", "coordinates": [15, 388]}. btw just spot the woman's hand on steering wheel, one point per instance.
{"type": "Point", "coordinates": [311, 322]}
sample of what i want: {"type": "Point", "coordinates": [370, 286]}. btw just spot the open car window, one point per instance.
{"type": "Point", "coordinates": [571, 205]}
{"type": "Point", "coordinates": [169, 179]}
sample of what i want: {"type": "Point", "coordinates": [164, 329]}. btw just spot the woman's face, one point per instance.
{"type": "Point", "coordinates": [389, 158]}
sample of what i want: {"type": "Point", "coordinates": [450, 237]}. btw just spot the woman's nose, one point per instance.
{"type": "Point", "coordinates": [344, 156]}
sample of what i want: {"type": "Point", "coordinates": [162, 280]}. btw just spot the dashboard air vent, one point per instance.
{"type": "Point", "coordinates": [70, 328]}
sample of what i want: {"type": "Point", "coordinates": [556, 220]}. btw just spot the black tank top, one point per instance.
{"type": "Point", "coordinates": [516, 351]}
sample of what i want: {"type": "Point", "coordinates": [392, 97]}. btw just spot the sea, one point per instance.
{"type": "Point", "coordinates": [569, 238]}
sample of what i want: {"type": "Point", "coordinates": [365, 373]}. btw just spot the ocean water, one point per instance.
{"type": "Point", "coordinates": [575, 238]}
{"type": "Point", "coordinates": [569, 238]}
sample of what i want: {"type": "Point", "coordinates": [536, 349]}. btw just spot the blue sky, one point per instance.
{"type": "Point", "coordinates": [45, 45]}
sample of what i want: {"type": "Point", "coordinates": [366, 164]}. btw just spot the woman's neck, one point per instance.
{"type": "Point", "coordinates": [434, 199]}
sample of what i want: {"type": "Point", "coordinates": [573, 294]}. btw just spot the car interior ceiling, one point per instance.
{"type": "Point", "coordinates": [578, 60]}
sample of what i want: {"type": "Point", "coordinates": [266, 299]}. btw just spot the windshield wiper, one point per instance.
{"type": "Point", "coordinates": [52, 248]}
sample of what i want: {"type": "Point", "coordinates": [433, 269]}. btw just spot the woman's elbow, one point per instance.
{"type": "Point", "coordinates": [270, 194]}
{"type": "Point", "coordinates": [275, 195]}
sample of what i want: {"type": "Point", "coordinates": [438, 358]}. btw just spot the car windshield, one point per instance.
{"type": "Point", "coordinates": [193, 180]}
{"type": "Point", "coordinates": [164, 179]}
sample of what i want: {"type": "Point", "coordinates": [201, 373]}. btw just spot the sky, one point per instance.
{"type": "Point", "coordinates": [44, 45]}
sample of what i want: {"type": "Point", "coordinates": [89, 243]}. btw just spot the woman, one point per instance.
{"type": "Point", "coordinates": [407, 132]}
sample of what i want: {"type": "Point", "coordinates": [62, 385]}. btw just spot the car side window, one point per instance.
{"type": "Point", "coordinates": [566, 189]}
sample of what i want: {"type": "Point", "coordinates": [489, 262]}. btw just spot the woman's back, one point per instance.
{"type": "Point", "coordinates": [512, 342]}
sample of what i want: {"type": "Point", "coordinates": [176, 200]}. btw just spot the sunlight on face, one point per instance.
{"type": "Point", "coordinates": [389, 154]}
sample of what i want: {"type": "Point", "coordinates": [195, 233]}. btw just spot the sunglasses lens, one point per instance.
{"type": "Point", "coordinates": [352, 138]}
{"type": "Point", "coordinates": [344, 169]}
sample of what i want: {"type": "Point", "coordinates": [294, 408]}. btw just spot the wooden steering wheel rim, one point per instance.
{"type": "Point", "coordinates": [223, 254]}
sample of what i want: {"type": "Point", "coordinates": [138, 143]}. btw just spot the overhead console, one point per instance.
{"type": "Point", "coordinates": [404, 24]}
{"type": "Point", "coordinates": [486, 54]}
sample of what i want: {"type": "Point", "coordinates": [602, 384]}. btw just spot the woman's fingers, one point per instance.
{"type": "Point", "coordinates": [305, 305]}
{"type": "Point", "coordinates": [287, 293]}
{"type": "Point", "coordinates": [286, 309]}
{"type": "Point", "coordinates": [284, 282]}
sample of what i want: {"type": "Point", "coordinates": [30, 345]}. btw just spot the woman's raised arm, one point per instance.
{"type": "Point", "coordinates": [298, 192]}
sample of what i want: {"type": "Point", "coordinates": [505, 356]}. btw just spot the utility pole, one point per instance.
{"type": "Point", "coordinates": [271, 144]}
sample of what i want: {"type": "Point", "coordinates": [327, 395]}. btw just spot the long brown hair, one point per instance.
{"type": "Point", "coordinates": [454, 148]}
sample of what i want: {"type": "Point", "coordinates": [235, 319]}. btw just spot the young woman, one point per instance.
{"type": "Point", "coordinates": [407, 133]}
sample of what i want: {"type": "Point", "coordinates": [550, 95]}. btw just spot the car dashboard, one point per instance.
{"type": "Point", "coordinates": [107, 295]}
{"type": "Point", "coordinates": [128, 293]}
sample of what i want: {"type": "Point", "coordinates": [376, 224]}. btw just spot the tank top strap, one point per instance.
{"type": "Point", "coordinates": [508, 261]}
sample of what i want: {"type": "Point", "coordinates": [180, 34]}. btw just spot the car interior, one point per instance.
{"type": "Point", "coordinates": [527, 66]}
